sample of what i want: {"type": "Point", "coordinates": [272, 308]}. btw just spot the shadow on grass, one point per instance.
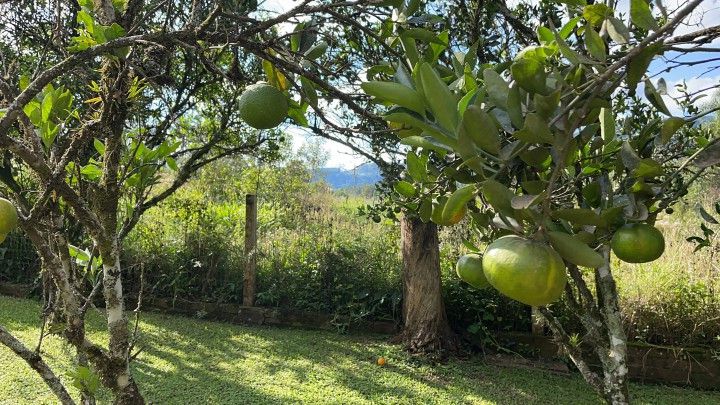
{"type": "Point", "coordinates": [197, 361]}
{"type": "Point", "coordinates": [290, 358]}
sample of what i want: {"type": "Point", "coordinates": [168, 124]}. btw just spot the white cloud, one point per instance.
{"type": "Point", "coordinates": [338, 155]}
{"type": "Point", "coordinates": [706, 86]}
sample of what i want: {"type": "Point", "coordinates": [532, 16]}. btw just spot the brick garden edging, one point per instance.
{"type": "Point", "coordinates": [240, 314]}
{"type": "Point", "coordinates": [693, 367]}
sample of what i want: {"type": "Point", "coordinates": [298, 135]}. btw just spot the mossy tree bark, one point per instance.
{"type": "Point", "coordinates": [426, 328]}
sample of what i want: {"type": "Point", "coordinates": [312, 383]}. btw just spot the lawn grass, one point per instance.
{"type": "Point", "coordinates": [190, 361]}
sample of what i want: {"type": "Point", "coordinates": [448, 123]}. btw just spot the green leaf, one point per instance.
{"type": "Point", "coordinates": [84, 379]}
{"type": "Point", "coordinates": [514, 106]}
{"type": "Point", "coordinates": [443, 103]}
{"type": "Point", "coordinates": [628, 156]}
{"type": "Point", "coordinates": [295, 37]}
{"type": "Point", "coordinates": [415, 121]}
{"type": "Point", "coordinates": [497, 87]}
{"type": "Point", "coordinates": [641, 15]}
{"type": "Point", "coordinates": [172, 164]}
{"type": "Point", "coordinates": [80, 255]}
{"type": "Point", "coordinates": [480, 127]}
{"type": "Point", "coordinates": [529, 74]}
{"type": "Point", "coordinates": [639, 64]}
{"type": "Point", "coordinates": [439, 47]}
{"type": "Point", "coordinates": [84, 18]}
{"type": "Point", "coordinates": [297, 114]}
{"type": "Point", "coordinates": [47, 105]}
{"type": "Point", "coordinates": [538, 157]}
{"type": "Point", "coordinates": [424, 35]}
{"type": "Point", "coordinates": [617, 30]}
{"type": "Point", "coordinates": [91, 171]}
{"type": "Point", "coordinates": [607, 124]}
{"type": "Point", "coordinates": [545, 35]}
{"type": "Point", "coordinates": [114, 31]}
{"type": "Point", "coordinates": [655, 98]}
{"type": "Point", "coordinates": [669, 127]}
{"type": "Point", "coordinates": [595, 14]}
{"type": "Point", "coordinates": [568, 28]}
{"type": "Point", "coordinates": [457, 201]}
{"type": "Point", "coordinates": [405, 189]}
{"type": "Point", "coordinates": [48, 133]}
{"type": "Point", "coordinates": [34, 112]}
{"type": "Point", "coordinates": [570, 54]}
{"type": "Point", "coordinates": [498, 196]}
{"type": "Point", "coordinates": [99, 146]}
{"type": "Point", "coordinates": [308, 89]}
{"type": "Point", "coordinates": [317, 50]}
{"type": "Point", "coordinates": [574, 251]}
{"type": "Point", "coordinates": [534, 186]}
{"type": "Point", "coordinates": [395, 93]}
{"type": "Point", "coordinates": [416, 166]}
{"type": "Point", "coordinates": [594, 44]}
{"type": "Point", "coordinates": [535, 130]}
{"type": "Point", "coordinates": [411, 51]}
{"type": "Point", "coordinates": [648, 168]}
{"type": "Point", "coordinates": [579, 216]}
{"type": "Point", "coordinates": [425, 143]}
{"type": "Point", "coordinates": [465, 101]}
{"type": "Point", "coordinates": [24, 82]}
{"type": "Point", "coordinates": [412, 7]}
{"type": "Point", "coordinates": [525, 201]}
{"type": "Point", "coordinates": [546, 105]}
{"type": "Point", "coordinates": [425, 210]}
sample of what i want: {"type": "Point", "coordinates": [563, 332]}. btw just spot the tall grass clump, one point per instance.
{"type": "Point", "coordinates": [675, 300]}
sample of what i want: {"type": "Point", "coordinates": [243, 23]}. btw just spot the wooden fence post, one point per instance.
{"type": "Point", "coordinates": [250, 250]}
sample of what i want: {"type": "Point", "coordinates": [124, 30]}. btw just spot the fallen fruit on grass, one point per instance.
{"type": "Point", "coordinates": [525, 270]}
{"type": "Point", "coordinates": [8, 217]}
{"type": "Point", "coordinates": [638, 243]}
{"type": "Point", "coordinates": [381, 361]}
{"type": "Point", "coordinates": [470, 270]}
{"type": "Point", "coordinates": [263, 106]}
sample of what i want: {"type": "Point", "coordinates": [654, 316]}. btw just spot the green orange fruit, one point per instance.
{"type": "Point", "coordinates": [470, 270]}
{"type": "Point", "coordinates": [263, 106]}
{"type": "Point", "coordinates": [525, 270]}
{"type": "Point", "coordinates": [638, 243]}
{"type": "Point", "coordinates": [8, 217]}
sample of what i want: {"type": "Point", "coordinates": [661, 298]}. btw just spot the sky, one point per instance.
{"type": "Point", "coordinates": [696, 77]}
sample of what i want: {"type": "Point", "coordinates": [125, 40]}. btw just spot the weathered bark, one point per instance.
{"type": "Point", "coordinates": [604, 332]}
{"type": "Point", "coordinates": [250, 250]}
{"type": "Point", "coordinates": [613, 357]}
{"type": "Point", "coordinates": [426, 328]}
{"type": "Point", "coordinates": [37, 363]}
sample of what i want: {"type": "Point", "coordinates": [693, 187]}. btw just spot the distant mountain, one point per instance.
{"type": "Point", "coordinates": [362, 175]}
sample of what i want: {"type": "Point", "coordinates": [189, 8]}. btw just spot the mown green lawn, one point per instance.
{"type": "Point", "coordinates": [190, 361]}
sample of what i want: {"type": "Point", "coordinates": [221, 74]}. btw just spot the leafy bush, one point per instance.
{"type": "Point", "coordinates": [314, 252]}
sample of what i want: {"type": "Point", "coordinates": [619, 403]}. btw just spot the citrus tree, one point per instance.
{"type": "Point", "coordinates": [549, 156]}
{"type": "Point", "coordinates": [110, 112]}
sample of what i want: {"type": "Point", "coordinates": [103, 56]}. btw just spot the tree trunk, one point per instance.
{"type": "Point", "coordinates": [614, 357]}
{"type": "Point", "coordinates": [426, 328]}
{"type": "Point", "coordinates": [116, 373]}
{"type": "Point", "coordinates": [250, 250]}
{"type": "Point", "coordinates": [604, 332]}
